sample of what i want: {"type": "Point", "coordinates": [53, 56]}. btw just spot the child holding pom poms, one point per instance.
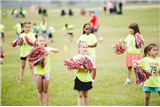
{"type": "Point", "coordinates": [150, 63]}
{"type": "Point", "coordinates": [39, 57]}
{"type": "Point", "coordinates": [83, 78]}
{"type": "Point", "coordinates": [133, 48]}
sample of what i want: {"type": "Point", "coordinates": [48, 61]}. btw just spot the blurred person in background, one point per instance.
{"type": "Point", "coordinates": [43, 26]}
{"type": "Point", "coordinates": [69, 30]}
{"type": "Point", "coordinates": [70, 12]}
{"type": "Point", "coordinates": [2, 30]}
{"type": "Point", "coordinates": [50, 31]}
{"type": "Point", "coordinates": [44, 12]}
{"type": "Point", "coordinates": [94, 20]}
{"type": "Point", "coordinates": [105, 8]}
{"type": "Point", "coordinates": [32, 9]}
{"type": "Point", "coordinates": [63, 12]}
{"type": "Point", "coordinates": [18, 28]}
{"type": "Point", "coordinates": [120, 7]}
{"type": "Point", "coordinates": [83, 11]}
{"type": "Point", "coordinates": [40, 10]}
{"type": "Point", "coordinates": [110, 7]}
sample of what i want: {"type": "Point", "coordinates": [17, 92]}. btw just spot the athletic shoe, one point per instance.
{"type": "Point", "coordinates": [33, 80]}
{"type": "Point", "coordinates": [141, 84]}
{"type": "Point", "coordinates": [127, 82]}
{"type": "Point", "coordinates": [93, 80]}
{"type": "Point", "coordinates": [20, 80]}
{"type": "Point", "coordinates": [100, 39]}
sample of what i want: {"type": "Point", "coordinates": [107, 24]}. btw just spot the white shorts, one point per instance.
{"type": "Point", "coordinates": [94, 61]}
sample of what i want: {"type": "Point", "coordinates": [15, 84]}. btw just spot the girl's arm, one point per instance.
{"type": "Point", "coordinates": [94, 45]}
{"type": "Point", "coordinates": [121, 40]}
{"type": "Point", "coordinates": [28, 54]}
{"type": "Point", "coordinates": [52, 50]}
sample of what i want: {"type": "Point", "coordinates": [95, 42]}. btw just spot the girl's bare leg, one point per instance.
{"type": "Point", "coordinates": [86, 98]}
{"type": "Point", "coordinates": [46, 92]}
{"type": "Point", "coordinates": [39, 83]}
{"type": "Point", "coordinates": [23, 63]}
{"type": "Point", "coordinates": [147, 97]}
{"type": "Point", "coordinates": [80, 95]}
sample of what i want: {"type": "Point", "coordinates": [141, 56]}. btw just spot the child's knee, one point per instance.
{"type": "Point", "coordinates": [23, 66]}
{"type": "Point", "coordinates": [39, 90]}
{"type": "Point", "coordinates": [45, 90]}
{"type": "Point", "coordinates": [86, 95]}
{"type": "Point", "coordinates": [147, 97]}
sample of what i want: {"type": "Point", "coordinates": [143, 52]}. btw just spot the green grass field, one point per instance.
{"type": "Point", "coordinates": [108, 90]}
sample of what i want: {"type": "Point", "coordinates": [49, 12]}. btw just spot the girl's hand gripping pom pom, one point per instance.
{"type": "Point", "coordinates": [29, 41]}
{"type": "Point", "coordinates": [138, 41]}
{"type": "Point", "coordinates": [119, 48]}
{"type": "Point", "coordinates": [16, 42]}
{"type": "Point", "coordinates": [141, 75]}
{"type": "Point", "coordinates": [37, 56]}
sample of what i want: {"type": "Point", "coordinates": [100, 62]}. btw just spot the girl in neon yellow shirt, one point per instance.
{"type": "Point", "coordinates": [2, 30]}
{"type": "Point", "coordinates": [133, 52]}
{"type": "Point", "coordinates": [150, 63]}
{"type": "Point", "coordinates": [42, 75]}
{"type": "Point", "coordinates": [91, 40]}
{"type": "Point", "coordinates": [24, 48]}
{"type": "Point", "coordinates": [83, 78]}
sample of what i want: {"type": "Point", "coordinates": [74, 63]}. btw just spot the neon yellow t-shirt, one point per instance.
{"type": "Point", "coordinates": [130, 41]}
{"type": "Point", "coordinates": [2, 28]}
{"type": "Point", "coordinates": [0, 63]}
{"type": "Point", "coordinates": [83, 75]}
{"type": "Point", "coordinates": [69, 29]}
{"type": "Point", "coordinates": [90, 40]}
{"type": "Point", "coordinates": [43, 71]}
{"type": "Point", "coordinates": [151, 65]}
{"type": "Point", "coordinates": [35, 29]}
{"type": "Point", "coordinates": [50, 30]}
{"type": "Point", "coordinates": [25, 47]}
{"type": "Point", "coordinates": [43, 26]}
{"type": "Point", "coordinates": [15, 11]}
{"type": "Point", "coordinates": [18, 27]}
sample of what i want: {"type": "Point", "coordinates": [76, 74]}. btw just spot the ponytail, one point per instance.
{"type": "Point", "coordinates": [148, 48]}
{"type": "Point", "coordinates": [22, 25]}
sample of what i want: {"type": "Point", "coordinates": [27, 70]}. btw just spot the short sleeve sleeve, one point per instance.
{"type": "Point", "coordinates": [126, 39]}
{"type": "Point", "coordinates": [94, 39]}
{"type": "Point", "coordinates": [141, 63]}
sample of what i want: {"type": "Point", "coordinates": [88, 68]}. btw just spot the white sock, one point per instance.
{"type": "Point", "coordinates": [128, 80]}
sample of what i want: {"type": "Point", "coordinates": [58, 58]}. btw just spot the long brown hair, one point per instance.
{"type": "Point", "coordinates": [135, 27]}
{"type": "Point", "coordinates": [148, 48]}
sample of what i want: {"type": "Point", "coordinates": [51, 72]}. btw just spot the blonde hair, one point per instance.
{"type": "Point", "coordinates": [148, 48]}
{"type": "Point", "coordinates": [41, 35]}
{"type": "Point", "coordinates": [80, 44]}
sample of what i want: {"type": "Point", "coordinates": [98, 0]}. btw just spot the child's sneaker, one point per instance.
{"type": "Point", "coordinates": [127, 82]}
{"type": "Point", "coordinates": [93, 80]}
{"type": "Point", "coordinates": [20, 80]}
{"type": "Point", "coordinates": [141, 84]}
{"type": "Point", "coordinates": [33, 80]}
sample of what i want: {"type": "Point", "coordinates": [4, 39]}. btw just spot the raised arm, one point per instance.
{"type": "Point", "coordinates": [94, 45]}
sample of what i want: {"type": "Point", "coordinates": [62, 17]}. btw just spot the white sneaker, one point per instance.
{"type": "Point", "coordinates": [93, 80]}
{"type": "Point", "coordinates": [100, 39]}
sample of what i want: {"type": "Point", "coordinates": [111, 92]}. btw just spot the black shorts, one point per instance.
{"type": "Point", "coordinates": [94, 30]}
{"type": "Point", "coordinates": [50, 35]}
{"type": "Point", "coordinates": [70, 33]}
{"type": "Point", "coordinates": [23, 58]}
{"type": "Point", "coordinates": [79, 85]}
